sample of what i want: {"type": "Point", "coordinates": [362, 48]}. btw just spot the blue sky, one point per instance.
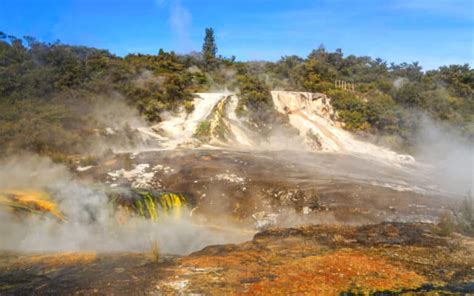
{"type": "Point", "coordinates": [433, 32]}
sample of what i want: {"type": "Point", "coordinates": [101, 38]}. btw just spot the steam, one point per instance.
{"type": "Point", "coordinates": [146, 77]}
{"type": "Point", "coordinates": [120, 126]}
{"type": "Point", "coordinates": [90, 224]}
{"type": "Point", "coordinates": [180, 20]}
{"type": "Point", "coordinates": [227, 80]}
{"type": "Point", "coordinates": [399, 82]}
{"type": "Point", "coordinates": [450, 154]}
{"type": "Point", "coordinates": [115, 113]}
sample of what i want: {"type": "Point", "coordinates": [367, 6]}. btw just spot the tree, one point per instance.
{"type": "Point", "coordinates": [209, 48]}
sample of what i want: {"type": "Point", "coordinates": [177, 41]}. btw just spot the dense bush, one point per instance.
{"type": "Point", "coordinates": [48, 91]}
{"type": "Point", "coordinates": [384, 95]}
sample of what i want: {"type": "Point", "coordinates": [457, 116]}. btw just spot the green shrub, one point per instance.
{"type": "Point", "coordinates": [189, 106]}
{"type": "Point", "coordinates": [203, 131]}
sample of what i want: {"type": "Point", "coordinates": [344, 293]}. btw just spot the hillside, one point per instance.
{"type": "Point", "coordinates": [57, 99]}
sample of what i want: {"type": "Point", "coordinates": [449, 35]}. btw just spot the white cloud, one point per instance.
{"type": "Point", "coordinates": [180, 21]}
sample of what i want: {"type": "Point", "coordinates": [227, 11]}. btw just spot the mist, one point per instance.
{"type": "Point", "coordinates": [91, 224]}
{"type": "Point", "coordinates": [449, 153]}
{"type": "Point", "coordinates": [119, 125]}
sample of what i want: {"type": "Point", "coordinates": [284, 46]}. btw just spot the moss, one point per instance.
{"type": "Point", "coordinates": [189, 106]}
{"type": "Point", "coordinates": [203, 131]}
{"type": "Point", "coordinates": [149, 204]}
{"type": "Point", "coordinates": [139, 208]}
{"type": "Point", "coordinates": [153, 214]}
{"type": "Point", "coordinates": [89, 160]}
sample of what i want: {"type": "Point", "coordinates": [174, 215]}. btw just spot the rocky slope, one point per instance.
{"type": "Point", "coordinates": [214, 122]}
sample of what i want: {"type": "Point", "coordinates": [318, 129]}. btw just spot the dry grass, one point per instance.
{"type": "Point", "coordinates": [155, 251]}
{"type": "Point", "coordinates": [56, 260]}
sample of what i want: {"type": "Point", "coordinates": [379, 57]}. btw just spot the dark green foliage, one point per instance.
{"type": "Point", "coordinates": [35, 126]}
{"type": "Point", "coordinates": [352, 111]}
{"type": "Point", "coordinates": [386, 97]}
{"type": "Point", "coordinates": [209, 48]}
{"type": "Point", "coordinates": [256, 103]}
{"type": "Point", "coordinates": [255, 98]}
{"type": "Point", "coordinates": [47, 91]}
{"type": "Point", "coordinates": [254, 94]}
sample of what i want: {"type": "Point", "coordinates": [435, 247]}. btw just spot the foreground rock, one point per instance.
{"type": "Point", "coordinates": [313, 260]}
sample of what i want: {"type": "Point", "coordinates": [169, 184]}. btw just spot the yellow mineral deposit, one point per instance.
{"type": "Point", "coordinates": [30, 200]}
{"type": "Point", "coordinates": [172, 203]}
{"type": "Point", "coordinates": [153, 205]}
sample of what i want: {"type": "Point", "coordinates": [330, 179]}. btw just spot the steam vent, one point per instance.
{"type": "Point", "coordinates": [280, 170]}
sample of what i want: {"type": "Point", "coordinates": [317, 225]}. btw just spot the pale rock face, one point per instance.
{"type": "Point", "coordinates": [314, 117]}
{"type": "Point", "coordinates": [178, 129]}
{"type": "Point", "coordinates": [264, 220]}
{"type": "Point", "coordinates": [310, 114]}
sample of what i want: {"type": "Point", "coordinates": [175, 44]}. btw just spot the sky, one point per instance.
{"type": "Point", "coordinates": [432, 32]}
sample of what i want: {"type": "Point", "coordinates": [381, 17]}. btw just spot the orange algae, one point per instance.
{"type": "Point", "coordinates": [56, 260]}
{"type": "Point", "coordinates": [328, 274]}
{"type": "Point", "coordinates": [333, 273]}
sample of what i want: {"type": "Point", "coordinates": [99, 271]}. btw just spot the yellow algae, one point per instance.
{"type": "Point", "coordinates": [151, 207]}
{"type": "Point", "coordinates": [31, 200]}
{"type": "Point", "coordinates": [152, 204]}
{"type": "Point", "coordinates": [145, 204]}
{"type": "Point", "coordinates": [139, 206]}
{"type": "Point", "coordinates": [176, 205]}
{"type": "Point", "coordinates": [148, 204]}
{"type": "Point", "coordinates": [171, 201]}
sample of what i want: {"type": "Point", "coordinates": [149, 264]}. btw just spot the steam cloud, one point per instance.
{"type": "Point", "coordinates": [450, 154]}
{"type": "Point", "coordinates": [180, 20]}
{"type": "Point", "coordinates": [90, 221]}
